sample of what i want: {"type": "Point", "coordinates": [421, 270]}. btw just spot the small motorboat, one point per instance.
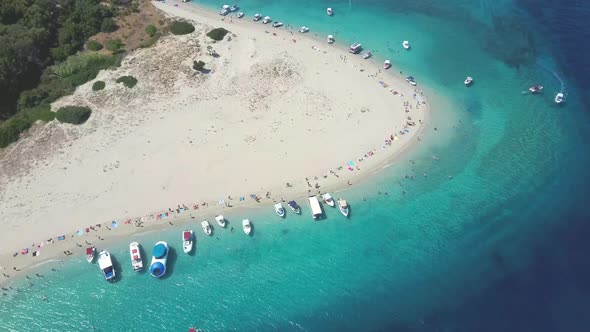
{"type": "Point", "coordinates": [294, 207]}
{"type": "Point", "coordinates": [327, 198]}
{"type": "Point", "coordinates": [224, 10]}
{"type": "Point", "coordinates": [240, 14]}
{"type": "Point", "coordinates": [187, 241]}
{"type": "Point", "coordinates": [277, 24]}
{"type": "Point", "coordinates": [536, 89]}
{"type": "Point", "coordinates": [90, 252]}
{"type": "Point", "coordinates": [220, 220]}
{"type": "Point", "coordinates": [406, 44]}
{"type": "Point", "coordinates": [234, 7]}
{"type": "Point", "coordinates": [206, 227]}
{"type": "Point", "coordinates": [355, 48]}
{"type": "Point", "coordinates": [386, 64]}
{"type": "Point", "coordinates": [246, 226]}
{"type": "Point", "coordinates": [468, 80]}
{"type": "Point", "coordinates": [266, 20]}
{"type": "Point", "coordinates": [329, 11]}
{"type": "Point", "coordinates": [159, 259]}
{"type": "Point", "coordinates": [367, 55]}
{"type": "Point", "coordinates": [303, 29]}
{"type": "Point", "coordinates": [343, 206]}
{"type": "Point", "coordinates": [257, 17]}
{"type": "Point", "coordinates": [136, 261]}
{"type": "Point", "coordinates": [411, 80]}
{"type": "Point", "coordinates": [330, 39]}
{"type": "Point", "coordinates": [280, 210]}
{"type": "Point", "coordinates": [559, 98]}
{"type": "Point", "coordinates": [106, 265]}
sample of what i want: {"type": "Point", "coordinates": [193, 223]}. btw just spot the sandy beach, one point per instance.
{"type": "Point", "coordinates": [279, 115]}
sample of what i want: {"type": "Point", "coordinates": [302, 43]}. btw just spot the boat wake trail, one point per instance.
{"type": "Point", "coordinates": [554, 73]}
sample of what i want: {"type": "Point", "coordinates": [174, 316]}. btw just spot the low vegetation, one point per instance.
{"type": "Point", "coordinates": [115, 45]}
{"type": "Point", "coordinates": [73, 114]}
{"type": "Point", "coordinates": [217, 34]}
{"type": "Point", "coordinates": [128, 81]}
{"type": "Point", "coordinates": [10, 130]}
{"type": "Point", "coordinates": [151, 30]}
{"type": "Point", "coordinates": [93, 45]}
{"type": "Point", "coordinates": [181, 28]}
{"type": "Point", "coordinates": [98, 85]}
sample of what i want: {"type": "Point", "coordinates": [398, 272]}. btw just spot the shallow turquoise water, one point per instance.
{"type": "Point", "coordinates": [417, 253]}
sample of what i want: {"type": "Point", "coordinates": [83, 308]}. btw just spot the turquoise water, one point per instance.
{"type": "Point", "coordinates": [478, 244]}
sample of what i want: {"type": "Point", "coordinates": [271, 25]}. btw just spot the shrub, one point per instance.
{"type": "Point", "coordinates": [151, 30]}
{"type": "Point", "coordinates": [198, 65]}
{"type": "Point", "coordinates": [108, 25]}
{"type": "Point", "coordinates": [11, 129]}
{"type": "Point", "coordinates": [98, 85]}
{"type": "Point", "coordinates": [128, 81]}
{"type": "Point", "coordinates": [217, 34]}
{"type": "Point", "coordinates": [93, 45]}
{"type": "Point", "coordinates": [39, 113]}
{"type": "Point", "coordinates": [181, 28]}
{"type": "Point", "coordinates": [114, 45]}
{"type": "Point", "coordinates": [73, 114]}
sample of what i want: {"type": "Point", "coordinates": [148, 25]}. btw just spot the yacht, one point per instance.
{"type": "Point", "coordinates": [257, 17]}
{"type": "Point", "coordinates": [90, 252]}
{"type": "Point", "coordinates": [386, 64]}
{"type": "Point", "coordinates": [559, 98]}
{"type": "Point", "coordinates": [536, 89]}
{"type": "Point", "coordinates": [136, 261]}
{"type": "Point", "coordinates": [343, 206]}
{"type": "Point", "coordinates": [330, 39]}
{"type": "Point", "coordinates": [159, 259]}
{"type": "Point", "coordinates": [106, 265]}
{"type": "Point", "coordinates": [246, 226]}
{"type": "Point", "coordinates": [355, 48]}
{"type": "Point", "coordinates": [224, 10]}
{"type": "Point", "coordinates": [316, 208]}
{"type": "Point", "coordinates": [294, 207]}
{"type": "Point", "coordinates": [240, 14]}
{"type": "Point", "coordinates": [468, 80]}
{"type": "Point", "coordinates": [234, 7]}
{"type": "Point", "coordinates": [406, 44]}
{"type": "Point", "coordinates": [367, 55]}
{"type": "Point", "coordinates": [327, 198]}
{"type": "Point", "coordinates": [206, 227]}
{"type": "Point", "coordinates": [277, 24]}
{"type": "Point", "coordinates": [329, 11]}
{"type": "Point", "coordinates": [303, 29]}
{"type": "Point", "coordinates": [280, 210]}
{"type": "Point", "coordinates": [187, 241]}
{"type": "Point", "coordinates": [220, 220]}
{"type": "Point", "coordinates": [266, 20]}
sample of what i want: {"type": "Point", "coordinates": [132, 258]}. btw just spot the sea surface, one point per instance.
{"type": "Point", "coordinates": [491, 234]}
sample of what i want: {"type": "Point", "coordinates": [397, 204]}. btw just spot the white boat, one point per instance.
{"type": "Point", "coordinates": [234, 7]}
{"type": "Point", "coordinates": [330, 39]}
{"type": "Point", "coordinates": [316, 208]}
{"type": "Point", "coordinates": [106, 265]}
{"type": "Point", "coordinates": [406, 44]}
{"type": "Point", "coordinates": [343, 206]}
{"type": "Point", "coordinates": [224, 10]}
{"type": "Point", "coordinates": [559, 98]}
{"type": "Point", "coordinates": [355, 48]}
{"type": "Point", "coordinates": [303, 29]}
{"type": "Point", "coordinates": [386, 64]}
{"type": "Point", "coordinates": [294, 207]}
{"type": "Point", "coordinates": [329, 11]}
{"type": "Point", "coordinates": [367, 55]}
{"type": "Point", "coordinates": [266, 20]}
{"type": "Point", "coordinates": [277, 24]}
{"type": "Point", "coordinates": [327, 198]}
{"type": "Point", "coordinates": [220, 220]}
{"type": "Point", "coordinates": [536, 89]}
{"type": "Point", "coordinates": [280, 210]}
{"type": "Point", "coordinates": [159, 259]}
{"type": "Point", "coordinates": [257, 17]}
{"type": "Point", "coordinates": [187, 241]}
{"type": "Point", "coordinates": [246, 226]}
{"type": "Point", "coordinates": [90, 252]}
{"type": "Point", "coordinates": [240, 14]}
{"type": "Point", "coordinates": [410, 79]}
{"type": "Point", "coordinates": [135, 254]}
{"type": "Point", "coordinates": [468, 80]}
{"type": "Point", "coordinates": [206, 227]}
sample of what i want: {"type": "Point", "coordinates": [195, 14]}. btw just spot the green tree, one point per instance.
{"type": "Point", "coordinates": [73, 114]}
{"type": "Point", "coordinates": [217, 34]}
{"type": "Point", "coordinates": [181, 28]}
{"type": "Point", "coordinates": [128, 81]}
{"type": "Point", "coordinates": [108, 25]}
{"type": "Point", "coordinates": [98, 85]}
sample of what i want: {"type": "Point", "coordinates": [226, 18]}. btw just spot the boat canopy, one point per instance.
{"type": "Point", "coordinates": [186, 235]}
{"type": "Point", "coordinates": [159, 250]}
{"type": "Point", "coordinates": [342, 203]}
{"type": "Point", "coordinates": [89, 251]}
{"type": "Point", "coordinates": [205, 223]}
{"type": "Point", "coordinates": [326, 196]}
{"type": "Point", "coordinates": [278, 206]}
{"type": "Point", "coordinates": [293, 204]}
{"type": "Point", "coordinates": [157, 269]}
{"type": "Point", "coordinates": [316, 209]}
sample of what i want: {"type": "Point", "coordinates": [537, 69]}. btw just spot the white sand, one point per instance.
{"type": "Point", "coordinates": [270, 111]}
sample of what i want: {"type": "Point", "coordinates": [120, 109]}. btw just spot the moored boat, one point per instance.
{"type": "Point", "coordinates": [224, 10]}
{"type": "Point", "coordinates": [266, 20]}
{"type": "Point", "coordinates": [536, 89]}
{"type": "Point", "coordinates": [159, 259]}
{"type": "Point", "coordinates": [330, 39]}
{"type": "Point", "coordinates": [206, 227]}
{"type": "Point", "coordinates": [327, 198]}
{"type": "Point", "coordinates": [294, 207]}
{"type": "Point", "coordinates": [240, 14]}
{"type": "Point", "coordinates": [343, 206]}
{"type": "Point", "coordinates": [355, 48]}
{"type": "Point", "coordinates": [316, 208]}
{"type": "Point", "coordinates": [257, 17]}
{"type": "Point", "coordinates": [90, 252]}
{"type": "Point", "coordinates": [367, 55]}
{"type": "Point", "coordinates": [559, 98]}
{"type": "Point", "coordinates": [277, 24]}
{"type": "Point", "coordinates": [220, 220]}
{"type": "Point", "coordinates": [303, 29]}
{"type": "Point", "coordinates": [468, 80]}
{"type": "Point", "coordinates": [411, 80]}
{"type": "Point", "coordinates": [135, 254]}
{"type": "Point", "coordinates": [406, 44]}
{"type": "Point", "coordinates": [386, 64]}
{"type": "Point", "coordinates": [106, 265]}
{"type": "Point", "coordinates": [246, 226]}
{"type": "Point", "coordinates": [187, 241]}
{"type": "Point", "coordinates": [234, 7]}
{"type": "Point", "coordinates": [280, 210]}
{"type": "Point", "coordinates": [329, 11]}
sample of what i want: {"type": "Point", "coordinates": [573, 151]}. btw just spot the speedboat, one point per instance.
{"type": "Point", "coordinates": [303, 29]}
{"type": "Point", "coordinates": [280, 210]}
{"type": "Point", "coordinates": [410, 79]}
{"type": "Point", "coordinates": [136, 261]}
{"type": "Point", "coordinates": [343, 206]}
{"type": "Point", "coordinates": [536, 89]}
{"type": "Point", "coordinates": [159, 259]}
{"type": "Point", "coordinates": [329, 11]}
{"type": "Point", "coordinates": [330, 39]}
{"type": "Point", "coordinates": [206, 227]}
{"type": "Point", "coordinates": [240, 14]}
{"type": "Point", "coordinates": [246, 226]}
{"type": "Point", "coordinates": [234, 7]}
{"type": "Point", "coordinates": [386, 64]}
{"type": "Point", "coordinates": [224, 10]}
{"type": "Point", "coordinates": [559, 98]}
{"type": "Point", "coordinates": [277, 24]}
{"type": "Point", "coordinates": [294, 207]}
{"type": "Point", "coordinates": [367, 55]}
{"type": "Point", "coordinates": [90, 251]}
{"type": "Point", "coordinates": [266, 20]}
{"type": "Point", "coordinates": [187, 241]}
{"type": "Point", "coordinates": [220, 220]}
{"type": "Point", "coordinates": [327, 198]}
{"type": "Point", "coordinates": [355, 48]}
{"type": "Point", "coordinates": [106, 265]}
{"type": "Point", "coordinates": [468, 80]}
{"type": "Point", "coordinates": [257, 17]}
{"type": "Point", "coordinates": [406, 44]}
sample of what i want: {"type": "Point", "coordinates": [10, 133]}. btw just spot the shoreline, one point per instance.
{"type": "Point", "coordinates": [370, 167]}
